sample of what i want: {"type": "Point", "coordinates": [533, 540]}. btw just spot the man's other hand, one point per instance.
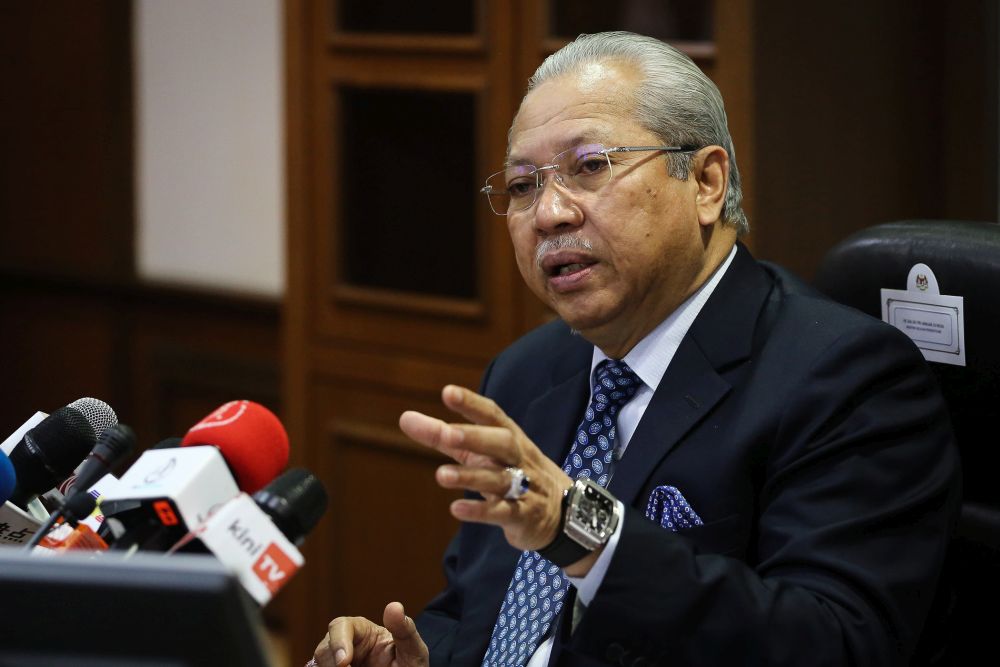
{"type": "Point", "coordinates": [483, 449]}
{"type": "Point", "coordinates": [356, 641]}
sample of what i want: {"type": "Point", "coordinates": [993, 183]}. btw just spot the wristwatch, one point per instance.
{"type": "Point", "coordinates": [589, 518]}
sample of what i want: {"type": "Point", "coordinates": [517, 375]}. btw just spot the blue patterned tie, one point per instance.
{"type": "Point", "coordinates": [535, 595]}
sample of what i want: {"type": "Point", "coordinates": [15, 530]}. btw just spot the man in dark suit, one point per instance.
{"type": "Point", "coordinates": [759, 477]}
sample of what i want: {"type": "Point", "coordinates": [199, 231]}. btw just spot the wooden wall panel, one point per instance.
{"type": "Point", "coordinates": [970, 156]}
{"type": "Point", "coordinates": [66, 193]}
{"type": "Point", "coordinates": [162, 358]}
{"type": "Point", "coordinates": [862, 124]}
{"type": "Point", "coordinates": [191, 351]}
{"type": "Point", "coordinates": [57, 346]}
{"type": "Point", "coordinates": [374, 472]}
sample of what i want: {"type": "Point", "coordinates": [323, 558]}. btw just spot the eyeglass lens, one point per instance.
{"type": "Point", "coordinates": [581, 168]}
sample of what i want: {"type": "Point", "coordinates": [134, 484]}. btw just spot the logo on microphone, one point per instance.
{"type": "Point", "coordinates": [274, 568]}
{"type": "Point", "coordinates": [223, 416]}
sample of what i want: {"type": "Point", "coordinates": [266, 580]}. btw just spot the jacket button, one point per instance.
{"type": "Point", "coordinates": [616, 653]}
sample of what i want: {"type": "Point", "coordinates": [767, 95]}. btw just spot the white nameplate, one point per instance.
{"type": "Point", "coordinates": [933, 321]}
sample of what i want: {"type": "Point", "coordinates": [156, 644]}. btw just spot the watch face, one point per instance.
{"type": "Point", "coordinates": [591, 516]}
{"type": "Point", "coordinates": [594, 513]}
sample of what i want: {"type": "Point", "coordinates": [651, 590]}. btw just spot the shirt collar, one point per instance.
{"type": "Point", "coordinates": [651, 355]}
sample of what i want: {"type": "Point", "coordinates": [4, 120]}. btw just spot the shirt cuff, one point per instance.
{"type": "Point", "coordinates": [587, 585]}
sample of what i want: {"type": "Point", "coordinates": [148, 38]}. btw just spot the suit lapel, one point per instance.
{"type": "Point", "coordinates": [688, 391]}
{"type": "Point", "coordinates": [720, 338]}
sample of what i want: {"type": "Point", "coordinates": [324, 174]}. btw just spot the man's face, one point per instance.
{"type": "Point", "coordinates": [615, 262]}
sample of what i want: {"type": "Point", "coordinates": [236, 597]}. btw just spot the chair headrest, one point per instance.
{"type": "Point", "coordinates": [965, 258]}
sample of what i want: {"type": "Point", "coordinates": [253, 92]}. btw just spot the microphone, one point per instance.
{"type": "Point", "coordinates": [98, 414]}
{"type": "Point", "coordinates": [164, 493]}
{"type": "Point", "coordinates": [40, 454]}
{"type": "Point", "coordinates": [256, 537]}
{"type": "Point", "coordinates": [239, 446]}
{"type": "Point", "coordinates": [112, 447]}
{"type": "Point", "coordinates": [8, 478]}
{"type": "Point", "coordinates": [295, 501]}
{"type": "Point", "coordinates": [101, 417]}
{"type": "Point", "coordinates": [47, 449]}
{"type": "Point", "coordinates": [49, 452]}
{"type": "Point", "coordinates": [250, 436]}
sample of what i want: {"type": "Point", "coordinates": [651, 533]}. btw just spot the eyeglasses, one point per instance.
{"type": "Point", "coordinates": [585, 168]}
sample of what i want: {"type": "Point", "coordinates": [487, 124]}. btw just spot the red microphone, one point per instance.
{"type": "Point", "coordinates": [250, 437]}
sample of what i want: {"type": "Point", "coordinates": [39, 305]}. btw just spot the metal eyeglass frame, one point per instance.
{"type": "Point", "coordinates": [537, 173]}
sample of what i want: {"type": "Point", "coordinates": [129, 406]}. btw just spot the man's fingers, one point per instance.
{"type": "Point", "coordinates": [476, 408]}
{"type": "Point", "coordinates": [485, 481]}
{"type": "Point", "coordinates": [354, 640]}
{"type": "Point", "coordinates": [430, 431]}
{"type": "Point", "coordinates": [343, 632]}
{"type": "Point", "coordinates": [410, 648]}
{"type": "Point", "coordinates": [482, 511]}
{"type": "Point", "coordinates": [462, 441]}
{"type": "Point", "coordinates": [323, 656]}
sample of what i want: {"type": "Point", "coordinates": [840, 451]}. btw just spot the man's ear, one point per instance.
{"type": "Point", "coordinates": [711, 173]}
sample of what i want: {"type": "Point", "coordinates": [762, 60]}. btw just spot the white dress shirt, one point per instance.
{"type": "Point", "coordinates": [649, 359]}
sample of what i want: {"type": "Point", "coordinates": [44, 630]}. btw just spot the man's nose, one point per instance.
{"type": "Point", "coordinates": [555, 208]}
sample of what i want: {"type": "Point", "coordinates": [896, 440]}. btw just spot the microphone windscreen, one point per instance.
{"type": "Point", "coordinates": [115, 444]}
{"type": "Point", "coordinates": [296, 500]}
{"type": "Point", "coordinates": [78, 507]}
{"type": "Point", "coordinates": [98, 414]}
{"type": "Point", "coordinates": [251, 439]}
{"type": "Point", "coordinates": [51, 451]}
{"type": "Point", "coordinates": [8, 478]}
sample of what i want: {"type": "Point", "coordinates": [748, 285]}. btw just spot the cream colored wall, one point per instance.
{"type": "Point", "coordinates": [209, 147]}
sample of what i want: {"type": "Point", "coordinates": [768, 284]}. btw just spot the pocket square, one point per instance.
{"type": "Point", "coordinates": [670, 510]}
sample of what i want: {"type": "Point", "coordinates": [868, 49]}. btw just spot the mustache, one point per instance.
{"type": "Point", "coordinates": [561, 242]}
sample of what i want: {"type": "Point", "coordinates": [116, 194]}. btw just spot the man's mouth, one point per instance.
{"type": "Point", "coordinates": [565, 263]}
{"type": "Point", "coordinates": [566, 269]}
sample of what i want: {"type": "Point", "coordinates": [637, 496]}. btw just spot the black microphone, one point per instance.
{"type": "Point", "coordinates": [77, 508]}
{"type": "Point", "coordinates": [101, 417]}
{"type": "Point", "coordinates": [112, 447]}
{"type": "Point", "coordinates": [49, 452]}
{"type": "Point", "coordinates": [296, 500]}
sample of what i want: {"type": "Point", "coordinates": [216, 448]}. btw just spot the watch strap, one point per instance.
{"type": "Point", "coordinates": [563, 550]}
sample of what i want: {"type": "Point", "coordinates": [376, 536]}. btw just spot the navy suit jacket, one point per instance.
{"type": "Point", "coordinates": [814, 444]}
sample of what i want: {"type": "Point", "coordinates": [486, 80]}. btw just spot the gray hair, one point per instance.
{"type": "Point", "coordinates": [675, 101]}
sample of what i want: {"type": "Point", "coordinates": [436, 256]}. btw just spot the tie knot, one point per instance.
{"type": "Point", "coordinates": [614, 382]}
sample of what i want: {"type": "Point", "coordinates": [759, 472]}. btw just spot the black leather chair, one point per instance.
{"type": "Point", "coordinates": [965, 258]}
